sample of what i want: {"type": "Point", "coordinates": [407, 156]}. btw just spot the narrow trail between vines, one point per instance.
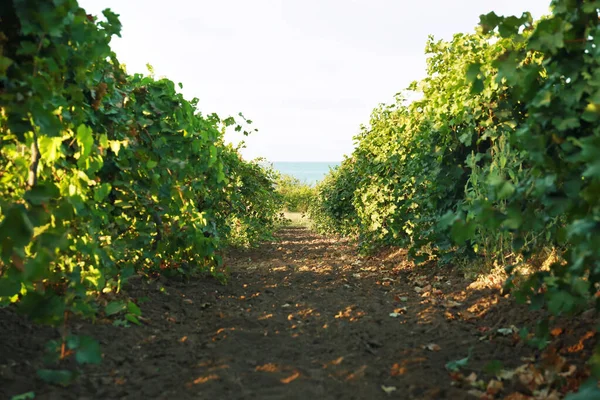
{"type": "Point", "coordinates": [302, 317]}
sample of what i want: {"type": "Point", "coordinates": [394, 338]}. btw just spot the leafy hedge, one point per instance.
{"type": "Point", "coordinates": [498, 158]}
{"type": "Point", "coordinates": [296, 195]}
{"type": "Point", "coordinates": [103, 174]}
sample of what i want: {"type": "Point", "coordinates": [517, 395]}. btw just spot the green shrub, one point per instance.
{"type": "Point", "coordinates": [499, 157]}
{"type": "Point", "coordinates": [296, 195]}
{"type": "Point", "coordinates": [103, 174]}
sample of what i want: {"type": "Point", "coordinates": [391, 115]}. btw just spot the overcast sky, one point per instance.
{"type": "Point", "coordinates": [307, 72]}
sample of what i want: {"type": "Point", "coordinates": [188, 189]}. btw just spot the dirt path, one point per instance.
{"type": "Point", "coordinates": [302, 318]}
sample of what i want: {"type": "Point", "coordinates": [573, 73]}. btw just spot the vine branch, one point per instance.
{"type": "Point", "coordinates": [35, 160]}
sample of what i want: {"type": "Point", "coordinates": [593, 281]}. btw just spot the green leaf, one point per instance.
{"type": "Point", "coordinates": [560, 302]}
{"type": "Point", "coordinates": [506, 190]}
{"type": "Point", "coordinates": [113, 25]}
{"type": "Point", "coordinates": [24, 396]}
{"type": "Point", "coordinates": [593, 170]}
{"type": "Point", "coordinates": [132, 318]}
{"type": "Point", "coordinates": [5, 62]}
{"type": "Point", "coordinates": [88, 351]}
{"type": "Point", "coordinates": [509, 26]}
{"type": "Point", "coordinates": [42, 193]}
{"type": "Point", "coordinates": [47, 308]}
{"type": "Point", "coordinates": [543, 99]}
{"type": "Point", "coordinates": [589, 390]}
{"type": "Point", "coordinates": [57, 377]}
{"type": "Point", "coordinates": [477, 86]}
{"type": "Point", "coordinates": [462, 231]}
{"type": "Point", "coordinates": [46, 120]}
{"type": "Point", "coordinates": [514, 218]}
{"type": "Point", "coordinates": [151, 164]}
{"type": "Point", "coordinates": [493, 367]}
{"type": "Point", "coordinates": [85, 140]}
{"type": "Point", "coordinates": [133, 309]}
{"type": "Point", "coordinates": [9, 287]}
{"type": "Point", "coordinates": [455, 366]}
{"type": "Point", "coordinates": [115, 146]}
{"type": "Point", "coordinates": [15, 229]}
{"type": "Point", "coordinates": [50, 148]}
{"type": "Point", "coordinates": [114, 307]}
{"type": "Point", "coordinates": [102, 191]}
{"type": "Point", "coordinates": [489, 22]}
{"type": "Point", "coordinates": [473, 71]}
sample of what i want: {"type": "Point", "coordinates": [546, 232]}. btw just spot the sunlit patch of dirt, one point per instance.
{"type": "Point", "coordinates": [350, 313]}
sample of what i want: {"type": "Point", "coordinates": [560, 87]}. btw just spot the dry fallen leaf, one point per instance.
{"type": "Point", "coordinates": [388, 389]}
{"type": "Point", "coordinates": [476, 393]}
{"type": "Point", "coordinates": [556, 331]}
{"type": "Point", "coordinates": [570, 372]}
{"type": "Point", "coordinates": [494, 387]}
{"type": "Point", "coordinates": [472, 378]}
{"type": "Point", "coordinates": [397, 369]}
{"type": "Point", "coordinates": [433, 347]}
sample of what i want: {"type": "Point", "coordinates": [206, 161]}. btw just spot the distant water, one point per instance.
{"type": "Point", "coordinates": [308, 172]}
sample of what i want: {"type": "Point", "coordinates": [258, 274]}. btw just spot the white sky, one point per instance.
{"type": "Point", "coordinates": [307, 72]}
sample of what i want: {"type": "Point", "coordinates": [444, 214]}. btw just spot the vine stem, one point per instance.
{"type": "Point", "coordinates": [35, 160]}
{"type": "Point", "coordinates": [63, 345]}
{"type": "Point", "coordinates": [35, 149]}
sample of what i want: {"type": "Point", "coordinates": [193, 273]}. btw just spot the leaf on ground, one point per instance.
{"type": "Point", "coordinates": [452, 304]}
{"type": "Point", "coordinates": [569, 372]}
{"type": "Point", "coordinates": [388, 389]}
{"type": "Point", "coordinates": [456, 365]}
{"type": "Point", "coordinates": [433, 347]}
{"type": "Point", "coordinates": [506, 331]}
{"type": "Point", "coordinates": [24, 396]}
{"type": "Point", "coordinates": [476, 393]}
{"type": "Point", "coordinates": [494, 387]}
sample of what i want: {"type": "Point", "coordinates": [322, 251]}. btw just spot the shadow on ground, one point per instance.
{"type": "Point", "coordinates": [302, 317]}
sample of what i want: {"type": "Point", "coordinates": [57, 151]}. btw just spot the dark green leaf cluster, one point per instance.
{"type": "Point", "coordinates": [498, 158]}
{"type": "Point", "coordinates": [332, 207]}
{"type": "Point", "coordinates": [103, 174]}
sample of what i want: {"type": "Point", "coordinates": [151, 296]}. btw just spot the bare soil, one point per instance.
{"type": "Point", "coordinates": [305, 317]}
